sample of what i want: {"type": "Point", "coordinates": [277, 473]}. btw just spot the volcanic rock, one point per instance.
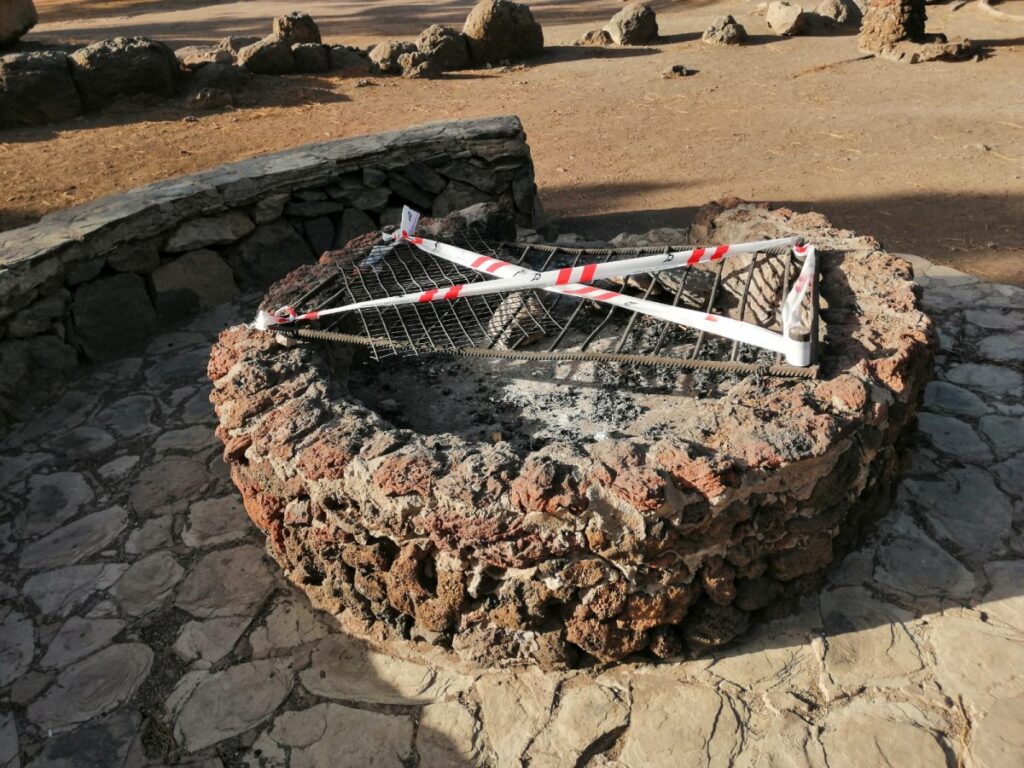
{"type": "Point", "coordinates": [498, 30]}
{"type": "Point", "coordinates": [311, 57]}
{"type": "Point", "coordinates": [785, 19]}
{"type": "Point", "coordinates": [297, 27]}
{"type": "Point", "coordinates": [270, 56]}
{"type": "Point", "coordinates": [36, 88]}
{"type": "Point", "coordinates": [16, 18]}
{"type": "Point", "coordinates": [446, 46]}
{"type": "Point", "coordinates": [123, 66]}
{"type": "Point", "coordinates": [725, 31]}
{"type": "Point", "coordinates": [384, 56]}
{"type": "Point", "coordinates": [636, 24]}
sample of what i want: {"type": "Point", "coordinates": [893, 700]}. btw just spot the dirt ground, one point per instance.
{"type": "Point", "coordinates": [929, 158]}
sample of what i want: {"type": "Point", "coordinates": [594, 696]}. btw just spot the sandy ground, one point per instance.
{"type": "Point", "coordinates": [929, 158]}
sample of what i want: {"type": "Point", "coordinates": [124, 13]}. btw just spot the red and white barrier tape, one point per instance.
{"type": "Point", "coordinates": [569, 281]}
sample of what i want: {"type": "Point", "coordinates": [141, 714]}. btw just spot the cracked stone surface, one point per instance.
{"type": "Point", "coordinates": [142, 624]}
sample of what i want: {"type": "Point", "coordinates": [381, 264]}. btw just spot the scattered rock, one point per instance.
{"type": "Point", "coordinates": [235, 43]}
{"type": "Point", "coordinates": [636, 24]}
{"type": "Point", "coordinates": [113, 317]}
{"type": "Point", "coordinates": [243, 696]}
{"type": "Point", "coordinates": [384, 58]}
{"type": "Point", "coordinates": [197, 56]}
{"type": "Point", "coordinates": [230, 582]}
{"type": "Point", "coordinates": [220, 77]}
{"type": "Point", "coordinates": [347, 60]}
{"type": "Point", "coordinates": [785, 18]}
{"type": "Point", "coordinates": [837, 11]}
{"type": "Point", "coordinates": [725, 31]}
{"type": "Point", "coordinates": [297, 27]}
{"type": "Point", "coordinates": [445, 46]}
{"type": "Point", "coordinates": [92, 687]}
{"type": "Point", "coordinates": [595, 37]}
{"type": "Point", "coordinates": [270, 56]}
{"type": "Point", "coordinates": [498, 30]}
{"type": "Point", "coordinates": [16, 18]}
{"type": "Point", "coordinates": [124, 66]}
{"type": "Point", "coordinates": [677, 70]}
{"type": "Point", "coordinates": [418, 65]}
{"type": "Point", "coordinates": [36, 88]}
{"type": "Point", "coordinates": [311, 57]}
{"type": "Point", "coordinates": [209, 98]}
{"type": "Point", "coordinates": [79, 638]}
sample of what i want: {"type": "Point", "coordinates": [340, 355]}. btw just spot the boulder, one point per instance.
{"type": "Point", "coordinates": [196, 56]}
{"type": "Point", "coordinates": [838, 11]}
{"type": "Point", "coordinates": [498, 30]}
{"type": "Point", "coordinates": [350, 61]}
{"type": "Point", "coordinates": [270, 56]}
{"type": "Point", "coordinates": [384, 56]}
{"type": "Point", "coordinates": [268, 254]}
{"type": "Point", "coordinates": [725, 31]}
{"type": "Point", "coordinates": [16, 18]}
{"type": "Point", "coordinates": [36, 88]}
{"type": "Point", "coordinates": [785, 19]}
{"type": "Point", "coordinates": [418, 64]}
{"type": "Point", "coordinates": [311, 57]}
{"type": "Point", "coordinates": [235, 43]}
{"type": "Point", "coordinates": [124, 66]}
{"type": "Point", "coordinates": [112, 317]}
{"type": "Point", "coordinates": [297, 27]}
{"type": "Point", "coordinates": [636, 24]}
{"type": "Point", "coordinates": [446, 46]}
{"type": "Point", "coordinates": [597, 37]}
{"type": "Point", "coordinates": [220, 77]}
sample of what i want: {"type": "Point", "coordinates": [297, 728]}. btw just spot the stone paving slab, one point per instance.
{"type": "Point", "coordinates": [142, 624]}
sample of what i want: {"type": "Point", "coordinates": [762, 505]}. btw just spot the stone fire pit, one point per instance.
{"type": "Point", "coordinates": [458, 503]}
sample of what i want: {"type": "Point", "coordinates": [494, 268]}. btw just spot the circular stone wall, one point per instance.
{"type": "Point", "coordinates": [661, 538]}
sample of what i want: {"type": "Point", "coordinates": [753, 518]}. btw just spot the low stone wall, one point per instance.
{"type": "Point", "coordinates": [96, 281]}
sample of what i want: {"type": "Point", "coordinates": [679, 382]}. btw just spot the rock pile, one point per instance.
{"type": "Point", "coordinates": [37, 87]}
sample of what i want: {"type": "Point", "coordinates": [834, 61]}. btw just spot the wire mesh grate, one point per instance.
{"type": "Point", "coordinates": [749, 289]}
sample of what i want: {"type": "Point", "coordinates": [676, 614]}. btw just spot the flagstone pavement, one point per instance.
{"type": "Point", "coordinates": [141, 623]}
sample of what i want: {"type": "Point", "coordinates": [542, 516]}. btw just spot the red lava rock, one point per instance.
{"type": "Point", "coordinates": [575, 550]}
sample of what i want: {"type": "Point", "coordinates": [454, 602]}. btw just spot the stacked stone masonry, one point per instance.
{"type": "Point", "coordinates": [593, 550]}
{"type": "Point", "coordinates": [97, 281]}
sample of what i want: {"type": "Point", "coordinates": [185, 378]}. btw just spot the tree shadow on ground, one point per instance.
{"type": "Point", "coordinates": [981, 234]}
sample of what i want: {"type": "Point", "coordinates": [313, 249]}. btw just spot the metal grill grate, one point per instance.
{"type": "Point", "coordinates": [545, 325]}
